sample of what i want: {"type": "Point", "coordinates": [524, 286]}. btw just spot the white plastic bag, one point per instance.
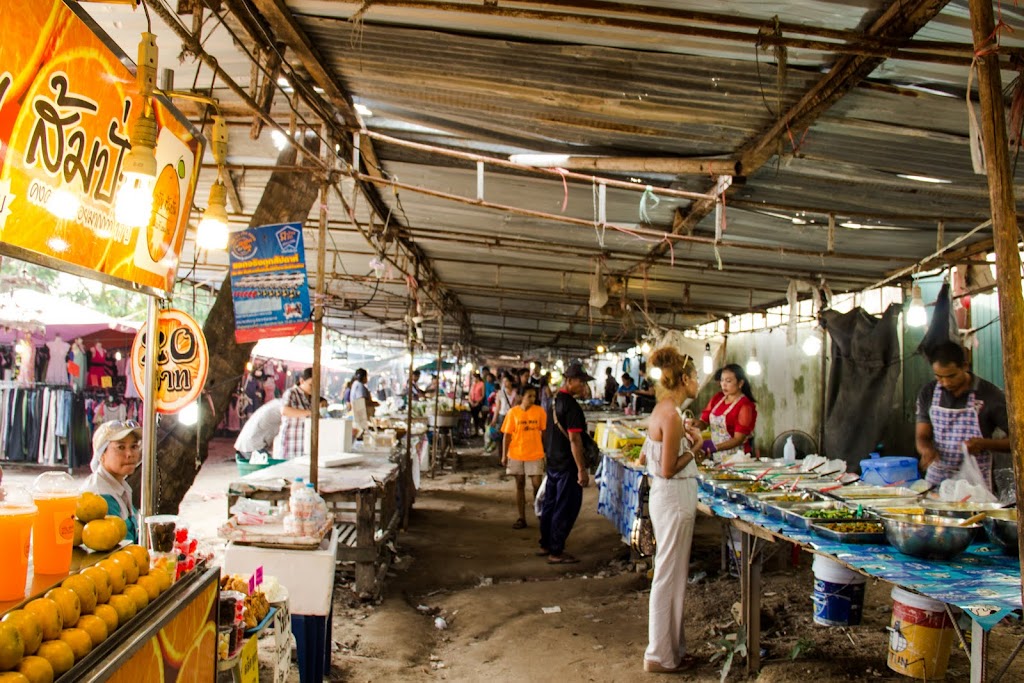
{"type": "Point", "coordinates": [538, 502]}
{"type": "Point", "coordinates": [968, 483]}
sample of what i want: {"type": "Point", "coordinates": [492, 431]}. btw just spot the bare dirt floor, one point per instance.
{"type": "Point", "coordinates": [460, 560]}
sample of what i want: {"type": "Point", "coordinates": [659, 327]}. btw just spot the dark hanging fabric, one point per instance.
{"type": "Point", "coordinates": [943, 327]}
{"type": "Point", "coordinates": [79, 439]}
{"type": "Point", "coordinates": [42, 359]}
{"type": "Point", "coordinates": [17, 442]}
{"type": "Point", "coordinates": [862, 381]}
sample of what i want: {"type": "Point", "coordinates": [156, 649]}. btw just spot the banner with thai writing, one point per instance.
{"type": "Point", "coordinates": [182, 360]}
{"type": "Point", "coordinates": [269, 288]}
{"type": "Point", "coordinates": [67, 104]}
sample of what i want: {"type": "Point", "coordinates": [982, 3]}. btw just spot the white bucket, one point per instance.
{"type": "Point", "coordinates": [838, 593]}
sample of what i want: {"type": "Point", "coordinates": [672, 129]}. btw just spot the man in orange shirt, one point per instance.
{"type": "Point", "coordinates": [522, 451]}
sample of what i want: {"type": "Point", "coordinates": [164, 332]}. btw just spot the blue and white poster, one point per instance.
{"type": "Point", "coordinates": [269, 288]}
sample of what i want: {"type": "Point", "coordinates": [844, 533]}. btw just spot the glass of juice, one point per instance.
{"type": "Point", "coordinates": [53, 533]}
{"type": "Point", "coordinates": [17, 511]}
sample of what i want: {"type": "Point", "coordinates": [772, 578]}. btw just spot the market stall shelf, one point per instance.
{"type": "Point", "coordinates": [273, 535]}
{"type": "Point", "coordinates": [364, 500]}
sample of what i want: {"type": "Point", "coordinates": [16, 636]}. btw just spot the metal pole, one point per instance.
{"type": "Point", "coordinates": [149, 491]}
{"type": "Point", "coordinates": [437, 395]}
{"type": "Point", "coordinates": [406, 468]}
{"type": "Point", "coordinates": [318, 336]}
{"type": "Point", "coordinates": [1005, 233]}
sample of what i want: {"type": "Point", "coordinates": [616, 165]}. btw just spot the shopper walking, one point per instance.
{"type": "Point", "coordinates": [567, 473]}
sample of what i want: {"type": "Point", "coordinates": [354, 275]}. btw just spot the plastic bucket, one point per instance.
{"type": "Point", "coordinates": [920, 636]}
{"type": "Point", "coordinates": [838, 593]}
{"type": "Point", "coordinates": [244, 467]}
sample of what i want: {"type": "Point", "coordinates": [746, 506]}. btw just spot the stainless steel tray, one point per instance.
{"type": "Point", "coordinates": [793, 513]}
{"type": "Point", "coordinates": [850, 537]}
{"type": "Point", "coordinates": [869, 492]}
{"type": "Point", "coordinates": [764, 502]}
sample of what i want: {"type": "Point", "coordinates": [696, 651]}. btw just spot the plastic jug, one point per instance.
{"type": "Point", "coordinates": [789, 450]}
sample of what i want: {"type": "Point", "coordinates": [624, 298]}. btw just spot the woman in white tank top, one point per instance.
{"type": "Point", "coordinates": [671, 452]}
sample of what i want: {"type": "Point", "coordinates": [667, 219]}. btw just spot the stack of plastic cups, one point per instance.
{"type": "Point", "coordinates": [17, 512]}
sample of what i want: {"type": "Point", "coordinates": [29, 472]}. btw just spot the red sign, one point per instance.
{"type": "Point", "coordinates": [67, 104]}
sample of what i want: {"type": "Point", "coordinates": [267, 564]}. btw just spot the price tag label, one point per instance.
{"type": "Point", "coordinates": [249, 663]}
{"type": "Point", "coordinates": [256, 579]}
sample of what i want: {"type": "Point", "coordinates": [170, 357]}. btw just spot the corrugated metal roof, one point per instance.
{"type": "Point", "coordinates": [645, 80]}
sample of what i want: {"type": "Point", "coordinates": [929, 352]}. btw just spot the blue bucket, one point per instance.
{"type": "Point", "coordinates": [838, 594]}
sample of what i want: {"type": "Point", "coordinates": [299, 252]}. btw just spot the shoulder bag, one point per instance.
{"type": "Point", "coordinates": [591, 451]}
{"type": "Point", "coordinates": [641, 534]}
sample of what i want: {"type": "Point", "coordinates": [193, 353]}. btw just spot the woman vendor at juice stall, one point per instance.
{"type": "Point", "coordinates": [731, 414]}
{"type": "Point", "coordinates": [116, 452]}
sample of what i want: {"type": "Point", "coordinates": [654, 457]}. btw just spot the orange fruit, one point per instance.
{"type": "Point", "coordinates": [28, 625]}
{"type": "Point", "coordinates": [90, 506]}
{"type": "Point", "coordinates": [118, 579]}
{"type": "Point", "coordinates": [141, 556]}
{"type": "Point", "coordinates": [70, 605]}
{"type": "Point", "coordinates": [176, 638]}
{"type": "Point", "coordinates": [51, 620]}
{"type": "Point", "coordinates": [59, 654]}
{"type": "Point", "coordinates": [79, 640]}
{"type": "Point", "coordinates": [13, 677]}
{"type": "Point", "coordinates": [78, 532]}
{"type": "Point", "coordinates": [139, 595]}
{"type": "Point", "coordinates": [125, 607]}
{"type": "Point", "coordinates": [94, 626]}
{"type": "Point", "coordinates": [101, 579]}
{"type": "Point", "coordinates": [162, 578]}
{"type": "Point", "coordinates": [145, 665]}
{"type": "Point", "coordinates": [85, 588]}
{"type": "Point", "coordinates": [122, 528]}
{"type": "Point", "coordinates": [12, 647]}
{"type": "Point", "coordinates": [199, 663]}
{"type": "Point", "coordinates": [109, 616]}
{"type": "Point", "coordinates": [131, 567]}
{"type": "Point", "coordinates": [101, 535]}
{"type": "Point", "coordinates": [151, 584]}
{"type": "Point", "coordinates": [36, 670]}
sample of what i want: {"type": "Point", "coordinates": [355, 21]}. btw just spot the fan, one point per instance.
{"type": "Point", "coordinates": [804, 442]}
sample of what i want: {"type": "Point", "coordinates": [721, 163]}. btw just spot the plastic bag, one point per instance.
{"type": "Point", "coordinates": [538, 502]}
{"type": "Point", "coordinates": [968, 483]}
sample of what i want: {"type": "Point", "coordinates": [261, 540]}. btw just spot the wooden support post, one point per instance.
{"type": "Point", "coordinates": [1006, 236]}
{"type": "Point", "coordinates": [318, 337]}
{"type": "Point", "coordinates": [366, 576]}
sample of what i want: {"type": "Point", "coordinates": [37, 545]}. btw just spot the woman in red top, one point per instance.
{"type": "Point", "coordinates": [731, 414]}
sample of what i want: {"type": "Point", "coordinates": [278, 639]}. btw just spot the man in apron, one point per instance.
{"type": "Point", "coordinates": [958, 410]}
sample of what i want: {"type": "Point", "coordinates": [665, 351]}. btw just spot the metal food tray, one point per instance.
{"type": "Point", "coordinates": [733, 490]}
{"type": "Point", "coordinates": [766, 502]}
{"type": "Point", "coordinates": [849, 537]}
{"type": "Point", "coordinates": [868, 492]}
{"type": "Point", "coordinates": [792, 513]}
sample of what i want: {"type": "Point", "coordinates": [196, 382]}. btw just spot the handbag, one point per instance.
{"type": "Point", "coordinates": [591, 451]}
{"type": "Point", "coordinates": [641, 534]}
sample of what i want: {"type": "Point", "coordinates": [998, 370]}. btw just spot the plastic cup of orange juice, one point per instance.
{"type": "Point", "coordinates": [53, 533]}
{"type": "Point", "coordinates": [17, 511]}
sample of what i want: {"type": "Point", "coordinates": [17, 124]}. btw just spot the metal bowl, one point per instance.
{"type": "Point", "coordinates": [958, 509]}
{"type": "Point", "coordinates": [928, 536]}
{"type": "Point", "coordinates": [1001, 526]}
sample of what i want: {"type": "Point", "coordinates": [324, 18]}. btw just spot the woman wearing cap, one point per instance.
{"type": "Point", "coordinates": [116, 452]}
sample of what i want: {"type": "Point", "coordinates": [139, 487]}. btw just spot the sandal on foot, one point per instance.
{"type": "Point", "coordinates": [562, 559]}
{"type": "Point", "coordinates": [685, 664]}
{"type": "Point", "coordinates": [519, 524]}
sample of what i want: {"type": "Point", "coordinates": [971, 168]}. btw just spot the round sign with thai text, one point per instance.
{"type": "Point", "coordinates": [183, 361]}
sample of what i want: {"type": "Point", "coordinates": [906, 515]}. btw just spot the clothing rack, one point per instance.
{"type": "Point", "coordinates": [43, 425]}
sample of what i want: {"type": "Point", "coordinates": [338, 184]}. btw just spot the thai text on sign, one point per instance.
{"type": "Point", "coordinates": [183, 360]}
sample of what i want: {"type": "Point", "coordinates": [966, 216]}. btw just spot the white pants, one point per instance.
{"type": "Point", "coordinates": [673, 506]}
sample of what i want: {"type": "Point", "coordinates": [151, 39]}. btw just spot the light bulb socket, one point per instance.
{"type": "Point", "coordinates": [149, 56]}
{"type": "Point", "coordinates": [219, 142]}
{"type": "Point", "coordinates": [141, 158]}
{"type": "Point", "coordinates": [217, 207]}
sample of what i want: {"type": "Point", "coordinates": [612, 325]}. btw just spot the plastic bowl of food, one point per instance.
{"type": "Point", "coordinates": [928, 536]}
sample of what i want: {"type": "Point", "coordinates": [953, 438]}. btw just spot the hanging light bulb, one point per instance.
{"type": "Point", "coordinates": [133, 204]}
{"type": "Point", "coordinates": [709, 362]}
{"type": "Point", "coordinates": [812, 344]}
{"type": "Point", "coordinates": [753, 365]}
{"type": "Point", "coordinates": [189, 415]}
{"type": "Point", "coordinates": [654, 373]}
{"type": "Point", "coordinates": [916, 315]}
{"type": "Point", "coordinates": [600, 348]}
{"type": "Point", "coordinates": [212, 232]}
{"type": "Point", "coordinates": [645, 348]}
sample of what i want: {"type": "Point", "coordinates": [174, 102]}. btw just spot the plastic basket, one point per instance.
{"type": "Point", "coordinates": [244, 467]}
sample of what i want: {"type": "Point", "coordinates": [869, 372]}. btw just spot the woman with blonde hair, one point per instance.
{"type": "Point", "coordinates": [670, 452]}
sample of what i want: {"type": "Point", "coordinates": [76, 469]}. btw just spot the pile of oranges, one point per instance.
{"type": "Point", "coordinates": [94, 528]}
{"type": "Point", "coordinates": [44, 639]}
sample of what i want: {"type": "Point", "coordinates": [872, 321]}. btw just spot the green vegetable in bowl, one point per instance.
{"type": "Point", "coordinates": [831, 513]}
{"type": "Point", "coordinates": [632, 453]}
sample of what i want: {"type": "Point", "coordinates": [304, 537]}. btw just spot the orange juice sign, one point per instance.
{"type": "Point", "coordinates": [182, 358]}
{"type": "Point", "coordinates": [67, 104]}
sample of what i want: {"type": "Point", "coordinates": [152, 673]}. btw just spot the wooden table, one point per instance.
{"type": "Point", "coordinates": [364, 498]}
